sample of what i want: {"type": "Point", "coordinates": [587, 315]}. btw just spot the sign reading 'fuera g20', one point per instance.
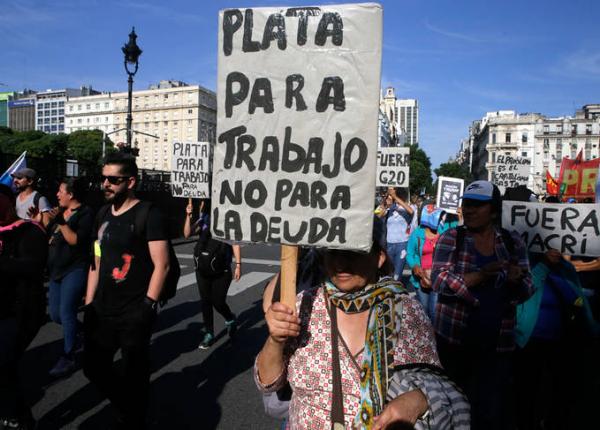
{"type": "Point", "coordinates": [298, 100]}
{"type": "Point", "coordinates": [393, 167]}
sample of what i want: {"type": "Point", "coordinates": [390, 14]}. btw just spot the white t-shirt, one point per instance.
{"type": "Point", "coordinates": [24, 205]}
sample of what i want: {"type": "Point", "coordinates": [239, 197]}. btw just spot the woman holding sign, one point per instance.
{"type": "Point", "coordinates": [358, 351]}
{"type": "Point", "coordinates": [213, 271]}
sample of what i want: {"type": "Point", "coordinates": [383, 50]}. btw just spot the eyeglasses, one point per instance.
{"type": "Point", "coordinates": [114, 180]}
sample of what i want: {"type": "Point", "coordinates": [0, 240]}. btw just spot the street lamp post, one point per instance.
{"type": "Point", "coordinates": [132, 54]}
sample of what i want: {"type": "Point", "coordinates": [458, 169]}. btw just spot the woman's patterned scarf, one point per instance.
{"type": "Point", "coordinates": [383, 301]}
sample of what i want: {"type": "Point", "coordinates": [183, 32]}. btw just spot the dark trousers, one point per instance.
{"type": "Point", "coordinates": [13, 342]}
{"type": "Point", "coordinates": [485, 377]}
{"type": "Point", "coordinates": [127, 387]}
{"type": "Point", "coordinates": [541, 383]}
{"type": "Point", "coordinates": [213, 293]}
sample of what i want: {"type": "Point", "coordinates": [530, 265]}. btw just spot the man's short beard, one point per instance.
{"type": "Point", "coordinates": [115, 198]}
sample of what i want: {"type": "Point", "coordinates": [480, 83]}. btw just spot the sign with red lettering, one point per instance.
{"type": "Point", "coordinates": [579, 177]}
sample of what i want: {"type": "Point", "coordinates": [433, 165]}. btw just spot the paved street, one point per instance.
{"type": "Point", "coordinates": [191, 388]}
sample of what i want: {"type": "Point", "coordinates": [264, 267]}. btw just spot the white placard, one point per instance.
{"type": "Point", "coordinates": [393, 167]}
{"type": "Point", "coordinates": [510, 171]}
{"type": "Point", "coordinates": [190, 169]}
{"type": "Point", "coordinates": [298, 104]}
{"type": "Point", "coordinates": [449, 193]}
{"type": "Point", "coordinates": [572, 229]}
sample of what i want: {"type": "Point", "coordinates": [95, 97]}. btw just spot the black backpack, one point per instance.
{"type": "Point", "coordinates": [210, 255]}
{"type": "Point", "coordinates": [170, 287]}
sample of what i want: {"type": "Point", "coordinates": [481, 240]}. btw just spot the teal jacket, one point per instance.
{"type": "Point", "coordinates": [528, 311]}
{"type": "Point", "coordinates": [414, 252]}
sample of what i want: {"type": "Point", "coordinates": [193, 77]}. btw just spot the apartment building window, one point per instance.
{"type": "Point", "coordinates": [88, 107]}
{"type": "Point", "coordinates": [70, 108]}
{"type": "Point", "coordinates": [105, 119]}
{"type": "Point", "coordinates": [524, 137]}
{"type": "Point", "coordinates": [61, 104]}
{"type": "Point", "coordinates": [574, 129]}
{"type": "Point", "coordinates": [588, 149]}
{"type": "Point", "coordinates": [79, 121]}
{"type": "Point", "coordinates": [166, 96]}
{"type": "Point", "coordinates": [523, 154]}
{"type": "Point", "coordinates": [54, 104]}
{"type": "Point", "coordinates": [189, 121]}
{"type": "Point", "coordinates": [573, 149]}
{"type": "Point", "coordinates": [54, 112]}
{"type": "Point", "coordinates": [546, 129]}
{"type": "Point", "coordinates": [493, 138]}
{"type": "Point", "coordinates": [61, 111]}
{"type": "Point", "coordinates": [559, 129]}
{"type": "Point", "coordinates": [165, 123]}
{"type": "Point", "coordinates": [97, 106]}
{"type": "Point", "coordinates": [588, 129]}
{"type": "Point", "coordinates": [507, 138]}
{"type": "Point", "coordinates": [78, 107]}
{"type": "Point", "coordinates": [106, 105]}
{"type": "Point", "coordinates": [559, 149]}
{"type": "Point", "coordinates": [493, 157]}
{"type": "Point", "coordinates": [190, 111]}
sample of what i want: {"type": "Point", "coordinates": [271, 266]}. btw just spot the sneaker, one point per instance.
{"type": "Point", "coordinates": [231, 327]}
{"type": "Point", "coordinates": [63, 367]}
{"type": "Point", "coordinates": [207, 341]}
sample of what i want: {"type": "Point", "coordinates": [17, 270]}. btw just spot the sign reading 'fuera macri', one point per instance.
{"type": "Point", "coordinates": [298, 99]}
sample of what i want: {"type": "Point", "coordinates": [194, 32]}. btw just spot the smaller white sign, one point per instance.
{"type": "Point", "coordinates": [190, 172]}
{"type": "Point", "coordinates": [572, 229]}
{"type": "Point", "coordinates": [510, 171]}
{"type": "Point", "coordinates": [449, 193]}
{"type": "Point", "coordinates": [393, 167]}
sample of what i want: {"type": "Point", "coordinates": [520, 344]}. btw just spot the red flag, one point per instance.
{"type": "Point", "coordinates": [551, 184]}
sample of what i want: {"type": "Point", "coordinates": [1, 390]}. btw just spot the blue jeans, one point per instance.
{"type": "Point", "coordinates": [428, 300]}
{"type": "Point", "coordinates": [63, 300]}
{"type": "Point", "coordinates": [397, 254]}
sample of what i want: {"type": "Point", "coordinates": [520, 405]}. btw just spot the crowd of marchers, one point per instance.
{"type": "Point", "coordinates": [448, 322]}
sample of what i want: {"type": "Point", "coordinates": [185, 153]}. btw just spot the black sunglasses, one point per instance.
{"type": "Point", "coordinates": [114, 180]}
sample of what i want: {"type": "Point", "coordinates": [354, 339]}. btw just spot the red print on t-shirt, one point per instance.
{"type": "Point", "coordinates": [119, 275]}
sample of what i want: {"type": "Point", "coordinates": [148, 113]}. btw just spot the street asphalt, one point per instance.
{"type": "Point", "coordinates": [190, 388]}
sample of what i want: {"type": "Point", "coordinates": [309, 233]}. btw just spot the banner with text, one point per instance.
{"type": "Point", "coordinates": [393, 167]}
{"type": "Point", "coordinates": [190, 170]}
{"type": "Point", "coordinates": [298, 103]}
{"type": "Point", "coordinates": [571, 229]}
{"type": "Point", "coordinates": [510, 172]}
{"type": "Point", "coordinates": [578, 177]}
{"type": "Point", "coordinates": [449, 192]}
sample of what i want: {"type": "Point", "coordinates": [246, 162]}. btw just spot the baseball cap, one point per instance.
{"type": "Point", "coordinates": [25, 172]}
{"type": "Point", "coordinates": [479, 190]}
{"type": "Point", "coordinates": [430, 216]}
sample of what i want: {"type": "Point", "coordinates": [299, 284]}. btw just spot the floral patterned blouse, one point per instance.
{"type": "Point", "coordinates": [309, 363]}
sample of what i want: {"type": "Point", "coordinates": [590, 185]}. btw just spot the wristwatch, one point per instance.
{"type": "Point", "coordinates": [152, 303]}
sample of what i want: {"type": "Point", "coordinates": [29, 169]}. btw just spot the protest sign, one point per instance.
{"type": "Point", "coordinates": [190, 172]}
{"type": "Point", "coordinates": [578, 177]}
{"type": "Point", "coordinates": [449, 192]}
{"type": "Point", "coordinates": [510, 172]}
{"type": "Point", "coordinates": [298, 103]}
{"type": "Point", "coordinates": [571, 229]}
{"type": "Point", "coordinates": [393, 167]}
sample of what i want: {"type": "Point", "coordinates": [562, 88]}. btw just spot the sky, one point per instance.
{"type": "Point", "coordinates": [459, 58]}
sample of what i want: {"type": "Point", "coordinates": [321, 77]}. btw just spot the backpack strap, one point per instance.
{"type": "Point", "coordinates": [141, 216]}
{"type": "Point", "coordinates": [36, 199]}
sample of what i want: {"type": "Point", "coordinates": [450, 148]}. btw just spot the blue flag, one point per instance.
{"type": "Point", "coordinates": [19, 163]}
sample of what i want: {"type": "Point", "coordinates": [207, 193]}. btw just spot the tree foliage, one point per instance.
{"type": "Point", "coordinates": [453, 170]}
{"type": "Point", "coordinates": [420, 171]}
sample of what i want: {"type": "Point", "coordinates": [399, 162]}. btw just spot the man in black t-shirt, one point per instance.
{"type": "Point", "coordinates": [122, 293]}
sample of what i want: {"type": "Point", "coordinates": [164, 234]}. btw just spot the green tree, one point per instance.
{"type": "Point", "coordinates": [453, 170]}
{"type": "Point", "coordinates": [420, 171]}
{"type": "Point", "coordinates": [85, 146]}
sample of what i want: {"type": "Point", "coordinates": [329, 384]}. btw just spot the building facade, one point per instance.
{"type": "Point", "coordinates": [542, 140]}
{"type": "Point", "coordinates": [21, 113]}
{"type": "Point", "coordinates": [407, 114]}
{"type": "Point", "coordinates": [5, 97]}
{"type": "Point", "coordinates": [90, 113]}
{"type": "Point", "coordinates": [50, 108]}
{"type": "Point", "coordinates": [169, 112]}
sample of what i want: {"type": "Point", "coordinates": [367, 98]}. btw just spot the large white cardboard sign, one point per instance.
{"type": "Point", "coordinates": [449, 193]}
{"type": "Point", "coordinates": [393, 167]}
{"type": "Point", "coordinates": [190, 170]}
{"type": "Point", "coordinates": [298, 102]}
{"type": "Point", "coordinates": [571, 229]}
{"type": "Point", "coordinates": [510, 171]}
